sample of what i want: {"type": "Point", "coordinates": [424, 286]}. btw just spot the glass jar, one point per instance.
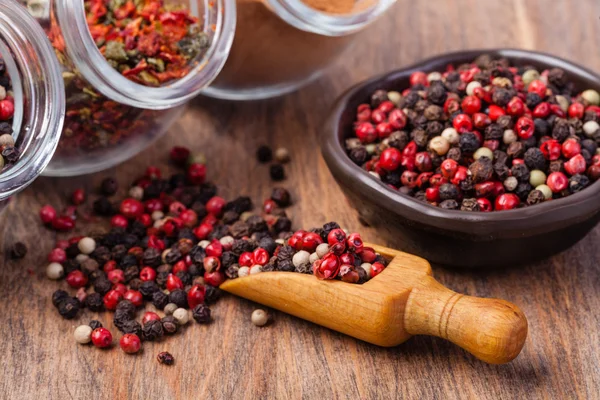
{"type": "Point", "coordinates": [110, 118]}
{"type": "Point", "coordinates": [38, 93]}
{"type": "Point", "coordinates": [281, 45]}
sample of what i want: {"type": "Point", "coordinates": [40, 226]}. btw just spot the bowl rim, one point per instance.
{"type": "Point", "coordinates": [559, 212]}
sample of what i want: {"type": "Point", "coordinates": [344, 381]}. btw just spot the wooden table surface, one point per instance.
{"type": "Point", "coordinates": [291, 359]}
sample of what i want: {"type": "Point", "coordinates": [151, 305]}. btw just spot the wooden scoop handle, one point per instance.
{"type": "Point", "coordinates": [492, 330]}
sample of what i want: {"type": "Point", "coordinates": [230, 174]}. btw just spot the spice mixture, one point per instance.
{"type": "Point", "coordinates": [9, 154]}
{"type": "Point", "coordinates": [480, 137]}
{"type": "Point", "coordinates": [174, 241]}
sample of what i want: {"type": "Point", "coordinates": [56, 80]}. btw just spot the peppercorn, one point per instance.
{"type": "Point", "coordinates": [69, 307]}
{"type": "Point", "coordinates": [448, 191]}
{"type": "Point", "coordinates": [521, 172]}
{"type": "Point", "coordinates": [281, 196]}
{"type": "Point", "coordinates": [18, 250]}
{"type": "Point", "coordinates": [562, 130]}
{"type": "Point", "coordinates": [578, 182]}
{"type": "Point", "coordinates": [468, 143]}
{"type": "Point", "coordinates": [535, 197]}
{"type": "Point", "coordinates": [201, 314]}
{"type": "Point", "coordinates": [523, 190]}
{"type": "Point", "coordinates": [179, 297]}
{"type": "Point", "coordinates": [449, 205]}
{"type": "Point", "coordinates": [165, 358]}
{"type": "Point", "coordinates": [102, 286]}
{"type": "Point", "coordinates": [152, 330]}
{"type": "Point", "coordinates": [103, 207]}
{"type": "Point", "coordinates": [160, 300]}
{"type": "Point", "coordinates": [211, 294]}
{"type": "Point", "coordinates": [126, 307]}
{"type": "Point", "coordinates": [359, 155]}
{"type": "Point", "coordinates": [264, 154]}
{"type": "Point", "coordinates": [260, 317]}
{"type": "Point", "coordinates": [152, 257]}
{"type": "Point", "coordinates": [469, 205]}
{"type": "Point", "coordinates": [169, 324]}
{"type": "Point", "coordinates": [148, 288]}
{"type": "Point", "coordinates": [534, 159]}
{"type": "Point", "coordinates": [58, 296]}
{"type": "Point", "coordinates": [481, 170]}
{"type": "Point", "coordinates": [94, 302]}
{"type": "Point", "coordinates": [109, 186]}
{"type": "Point", "coordinates": [277, 172]}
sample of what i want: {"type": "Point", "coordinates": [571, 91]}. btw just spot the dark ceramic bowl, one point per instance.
{"type": "Point", "coordinates": [459, 238]}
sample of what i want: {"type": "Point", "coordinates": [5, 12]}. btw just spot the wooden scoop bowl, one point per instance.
{"type": "Point", "coordinates": [402, 301]}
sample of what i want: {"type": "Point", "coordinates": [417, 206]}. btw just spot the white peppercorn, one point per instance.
{"type": "Point", "coordinates": [322, 249]}
{"type": "Point", "coordinates": [156, 215]}
{"type": "Point", "coordinates": [282, 155]}
{"type": "Point", "coordinates": [313, 257]}
{"type": "Point", "coordinates": [6, 139]}
{"type": "Point", "coordinates": [483, 152]}
{"type": "Point", "coordinates": [204, 244]}
{"type": "Point", "coordinates": [451, 135]}
{"type": "Point", "coordinates": [394, 97]}
{"type": "Point", "coordinates": [371, 148]}
{"type": "Point", "coordinates": [54, 270]}
{"type": "Point", "coordinates": [537, 178]}
{"type": "Point", "coordinates": [243, 271]}
{"type": "Point", "coordinates": [280, 241]}
{"type": "Point", "coordinates": [83, 334]}
{"type": "Point", "coordinates": [255, 269]}
{"type": "Point", "coordinates": [368, 268]}
{"type": "Point", "coordinates": [590, 128]}
{"type": "Point", "coordinates": [81, 258]}
{"type": "Point", "coordinates": [440, 145]}
{"type": "Point", "coordinates": [433, 76]}
{"type": "Point", "coordinates": [260, 317]}
{"type": "Point", "coordinates": [530, 75]}
{"type": "Point", "coordinates": [300, 258]}
{"type": "Point", "coordinates": [86, 245]}
{"type": "Point", "coordinates": [181, 315]}
{"type": "Point", "coordinates": [591, 96]}
{"type": "Point", "coordinates": [509, 136]}
{"type": "Point", "coordinates": [170, 308]}
{"type": "Point", "coordinates": [227, 240]}
{"type": "Point", "coordinates": [545, 189]}
{"type": "Point", "coordinates": [136, 192]}
{"type": "Point", "coordinates": [563, 102]}
{"type": "Point", "coordinates": [511, 183]}
{"type": "Point", "coordinates": [471, 87]}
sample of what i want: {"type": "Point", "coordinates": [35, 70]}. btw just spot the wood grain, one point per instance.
{"type": "Point", "coordinates": [292, 359]}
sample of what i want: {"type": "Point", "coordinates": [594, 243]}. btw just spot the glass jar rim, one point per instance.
{"type": "Point", "coordinates": [41, 78]}
{"type": "Point", "coordinates": [98, 72]}
{"type": "Point", "coordinates": [302, 16]}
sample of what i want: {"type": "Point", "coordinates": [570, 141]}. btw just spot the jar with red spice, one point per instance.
{"type": "Point", "coordinates": [31, 82]}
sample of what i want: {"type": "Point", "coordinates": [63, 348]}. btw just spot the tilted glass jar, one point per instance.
{"type": "Point", "coordinates": [39, 97]}
{"type": "Point", "coordinates": [110, 118]}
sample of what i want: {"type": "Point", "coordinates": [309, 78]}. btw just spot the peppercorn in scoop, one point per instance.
{"type": "Point", "coordinates": [482, 136]}
{"type": "Point", "coordinates": [173, 243]}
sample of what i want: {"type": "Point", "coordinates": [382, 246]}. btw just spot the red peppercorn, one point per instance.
{"type": "Point", "coordinates": [484, 204]}
{"type": "Point", "coordinates": [179, 155]}
{"type": "Point", "coordinates": [212, 264]}
{"type": "Point", "coordinates": [542, 110]}
{"type": "Point", "coordinates": [418, 78]}
{"type": "Point", "coordinates": [210, 219]}
{"type": "Point", "coordinates": [384, 129]}
{"type": "Point", "coordinates": [131, 208]}
{"type": "Point", "coordinates": [119, 287]}
{"type": "Point", "coordinates": [576, 110]}
{"type": "Point", "coordinates": [101, 338]}
{"type": "Point", "coordinates": [202, 231]}
{"type": "Point", "coordinates": [75, 239]}
{"type": "Point", "coordinates": [145, 219]}
{"type": "Point", "coordinates": [195, 295]}
{"type": "Point", "coordinates": [491, 144]}
{"type": "Point", "coordinates": [462, 123]}
{"type": "Point", "coordinates": [518, 161]}
{"type": "Point", "coordinates": [376, 269]}
{"type": "Point", "coordinates": [423, 161]}
{"type": "Point", "coordinates": [576, 165]}
{"type": "Point", "coordinates": [156, 243]}
{"type": "Point", "coordinates": [152, 205]}
{"type": "Point", "coordinates": [116, 276]}
{"type": "Point", "coordinates": [78, 197]}
{"type": "Point", "coordinates": [179, 267]}
{"type": "Point", "coordinates": [557, 182]}
{"type": "Point", "coordinates": [397, 119]}
{"type": "Point", "coordinates": [367, 254]}
{"type": "Point", "coordinates": [571, 148]}
{"type": "Point", "coordinates": [363, 112]}
{"type": "Point", "coordinates": [269, 205]}
{"type": "Point", "coordinates": [261, 256]}
{"type": "Point", "coordinates": [147, 274]}
{"type": "Point", "coordinates": [130, 343]}
{"type": "Point", "coordinates": [111, 299]}
{"type": "Point", "coordinates": [135, 297]}
{"type": "Point", "coordinates": [432, 194]}
{"type": "Point", "coordinates": [595, 109]}
{"type": "Point", "coordinates": [390, 159]}
{"type": "Point", "coordinates": [594, 172]}
{"type": "Point", "coordinates": [354, 242]}
{"type": "Point", "coordinates": [196, 173]}
{"type": "Point", "coordinates": [366, 132]}
{"type": "Point", "coordinates": [538, 87]}
{"type": "Point", "coordinates": [110, 265]}
{"type": "Point", "coordinates": [57, 255]}
{"type": "Point", "coordinates": [214, 249]}
{"type": "Point", "coordinates": [153, 172]}
{"type": "Point", "coordinates": [471, 104]}
{"type": "Point", "coordinates": [495, 112]}
{"type": "Point", "coordinates": [150, 316]}
{"type": "Point", "coordinates": [377, 116]}
{"type": "Point", "coordinates": [246, 259]}
{"type": "Point", "coordinates": [484, 189]}
{"type": "Point", "coordinates": [296, 239]}
{"type": "Point", "coordinates": [437, 180]}
{"type": "Point", "coordinates": [63, 223]}
{"type": "Point", "coordinates": [310, 241]}
{"type": "Point", "coordinates": [498, 189]}
{"type": "Point", "coordinates": [451, 105]}
{"type": "Point", "coordinates": [176, 208]}
{"type": "Point", "coordinates": [507, 201]}
{"type": "Point", "coordinates": [328, 267]}
{"type": "Point", "coordinates": [423, 179]}
{"type": "Point", "coordinates": [347, 258]}
{"type": "Point", "coordinates": [214, 278]}
{"type": "Point", "coordinates": [7, 109]}
{"type": "Point", "coordinates": [551, 149]}
{"type": "Point", "coordinates": [215, 205]}
{"type": "Point", "coordinates": [77, 279]}
{"type": "Point", "coordinates": [336, 236]}
{"type": "Point", "coordinates": [525, 127]}
{"type": "Point", "coordinates": [515, 107]}
{"type": "Point", "coordinates": [448, 168]}
{"type": "Point", "coordinates": [481, 120]}
{"type": "Point", "coordinates": [409, 179]}
{"type": "Point", "coordinates": [556, 110]}
{"type": "Point", "coordinates": [173, 282]}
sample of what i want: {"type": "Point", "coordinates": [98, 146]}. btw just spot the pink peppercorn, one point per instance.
{"type": "Point", "coordinates": [57, 255]}
{"type": "Point", "coordinates": [196, 295]}
{"type": "Point", "coordinates": [196, 173]}
{"type": "Point", "coordinates": [507, 201]}
{"type": "Point", "coordinates": [78, 197]}
{"type": "Point", "coordinates": [77, 279]}
{"type": "Point", "coordinates": [173, 282]}
{"type": "Point", "coordinates": [111, 299]}
{"type": "Point", "coordinates": [557, 182]}
{"type": "Point", "coordinates": [130, 343]}
{"type": "Point", "coordinates": [101, 338]}
{"type": "Point", "coordinates": [147, 274]}
{"type": "Point", "coordinates": [150, 316]}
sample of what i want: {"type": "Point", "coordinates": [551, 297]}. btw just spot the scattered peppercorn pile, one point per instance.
{"type": "Point", "coordinates": [484, 136]}
{"type": "Point", "coordinates": [174, 241]}
{"type": "Point", "coordinates": [9, 154]}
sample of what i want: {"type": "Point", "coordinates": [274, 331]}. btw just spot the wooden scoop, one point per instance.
{"type": "Point", "coordinates": [402, 301]}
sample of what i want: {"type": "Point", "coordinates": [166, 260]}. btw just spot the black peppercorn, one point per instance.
{"type": "Point", "coordinates": [185, 277]}
{"type": "Point", "coordinates": [102, 286]}
{"type": "Point", "coordinates": [257, 224]}
{"type": "Point", "coordinates": [211, 294]}
{"type": "Point", "coordinates": [562, 130]}
{"type": "Point", "coordinates": [532, 100]}
{"type": "Point", "coordinates": [468, 143]}
{"type": "Point", "coordinates": [521, 172]}
{"type": "Point", "coordinates": [102, 206]}
{"type": "Point", "coordinates": [277, 172]}
{"type": "Point", "coordinates": [481, 170]}
{"type": "Point", "coordinates": [436, 93]}
{"type": "Point", "coordinates": [556, 166]}
{"type": "Point", "coordinates": [449, 205]}
{"type": "Point", "coordinates": [160, 300]}
{"type": "Point", "coordinates": [10, 154]}
{"type": "Point", "coordinates": [281, 196]}
{"type": "Point", "coordinates": [534, 159]}
{"type": "Point", "coordinates": [109, 186]}
{"type": "Point", "coordinates": [69, 307]}
{"type": "Point", "coordinates": [148, 288]}
{"type": "Point", "coordinates": [132, 326]}
{"type": "Point", "coordinates": [152, 257]}
{"type": "Point", "coordinates": [18, 250]}
{"type": "Point", "coordinates": [58, 296]}
{"type": "Point", "coordinates": [126, 306]}
{"type": "Point", "coordinates": [239, 229]}
{"type": "Point", "coordinates": [378, 97]}
{"type": "Point", "coordinates": [285, 265]}
{"type": "Point", "coordinates": [127, 261]}
{"type": "Point", "coordinates": [283, 224]}
{"type": "Point", "coordinates": [165, 358]}
{"type": "Point", "coordinates": [494, 132]}
{"type": "Point", "coordinates": [152, 330]}
{"type": "Point", "coordinates": [229, 217]}
{"type": "Point", "coordinates": [420, 137]}
{"type": "Point", "coordinates": [95, 324]}
{"type": "Point", "coordinates": [448, 191]}
{"type": "Point", "coordinates": [469, 205]}
{"type": "Point", "coordinates": [201, 313]}
{"type": "Point", "coordinates": [557, 77]}
{"type": "Point", "coordinates": [535, 197]}
{"type": "Point", "coordinates": [398, 140]}
{"type": "Point", "coordinates": [578, 182]}
{"type": "Point", "coordinates": [501, 96]}
{"type": "Point", "coordinates": [523, 190]}
{"type": "Point", "coordinates": [264, 154]}
{"type": "Point", "coordinates": [169, 324]}
{"type": "Point", "coordinates": [173, 256]}
{"type": "Point", "coordinates": [359, 155]}
{"type": "Point", "coordinates": [179, 297]}
{"type": "Point", "coordinates": [504, 122]}
{"type": "Point", "coordinates": [94, 302]}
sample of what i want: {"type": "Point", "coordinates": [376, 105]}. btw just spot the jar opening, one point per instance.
{"type": "Point", "coordinates": [217, 19]}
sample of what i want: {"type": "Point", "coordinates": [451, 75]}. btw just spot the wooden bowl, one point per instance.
{"type": "Point", "coordinates": [450, 237]}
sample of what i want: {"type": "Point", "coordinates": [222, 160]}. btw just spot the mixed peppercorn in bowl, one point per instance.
{"type": "Point", "coordinates": [429, 149]}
